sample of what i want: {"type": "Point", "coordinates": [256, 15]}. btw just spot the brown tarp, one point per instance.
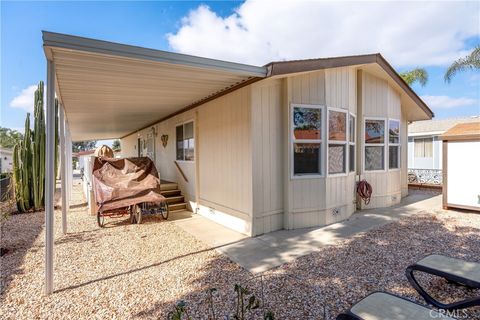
{"type": "Point", "coordinates": [119, 183]}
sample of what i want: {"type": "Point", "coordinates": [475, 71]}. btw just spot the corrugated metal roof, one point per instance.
{"type": "Point", "coordinates": [109, 90]}
{"type": "Point", "coordinates": [437, 126]}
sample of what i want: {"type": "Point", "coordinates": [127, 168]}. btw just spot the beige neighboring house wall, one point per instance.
{"type": "Point", "coordinates": [6, 159]}
{"type": "Point", "coordinates": [242, 173]}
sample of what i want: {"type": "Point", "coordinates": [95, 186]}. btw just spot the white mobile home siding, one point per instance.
{"type": "Point", "coordinates": [268, 146]}
{"type": "Point", "coordinates": [311, 201]}
{"type": "Point", "coordinates": [223, 153]}
{"type": "Point", "coordinates": [379, 99]}
{"type": "Point", "coordinates": [242, 173]}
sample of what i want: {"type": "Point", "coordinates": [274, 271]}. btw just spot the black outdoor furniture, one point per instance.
{"type": "Point", "coordinates": [386, 306]}
{"type": "Point", "coordinates": [453, 270]}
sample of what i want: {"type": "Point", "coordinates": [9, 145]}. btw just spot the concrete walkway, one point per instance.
{"type": "Point", "coordinates": [276, 248]}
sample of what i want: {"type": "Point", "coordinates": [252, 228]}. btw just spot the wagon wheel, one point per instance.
{"type": "Point", "coordinates": [137, 213]}
{"type": "Point", "coordinates": [164, 211]}
{"type": "Point", "coordinates": [100, 219]}
{"type": "Point", "coordinates": [132, 215]}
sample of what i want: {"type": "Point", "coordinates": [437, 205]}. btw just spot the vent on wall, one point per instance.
{"type": "Point", "coordinates": [335, 212]}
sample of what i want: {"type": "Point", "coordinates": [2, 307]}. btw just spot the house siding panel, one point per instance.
{"type": "Point", "coordinates": [225, 167]}
{"type": "Point", "coordinates": [267, 156]}
{"type": "Point", "coordinates": [379, 99]}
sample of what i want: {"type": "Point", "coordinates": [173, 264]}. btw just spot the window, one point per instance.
{"type": "Point", "coordinates": [307, 139]}
{"type": "Point", "coordinates": [185, 142]}
{"type": "Point", "coordinates": [423, 148]}
{"type": "Point", "coordinates": [393, 144]}
{"type": "Point", "coordinates": [337, 141]}
{"type": "Point", "coordinates": [351, 142]}
{"type": "Point", "coordinates": [374, 144]}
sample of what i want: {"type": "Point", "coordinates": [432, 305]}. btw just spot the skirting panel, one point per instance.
{"type": "Point", "coordinates": [268, 223]}
{"type": "Point", "coordinates": [224, 219]}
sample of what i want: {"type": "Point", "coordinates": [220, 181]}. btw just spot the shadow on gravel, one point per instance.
{"type": "Point", "coordinates": [19, 233]}
{"type": "Point", "coordinates": [325, 283]}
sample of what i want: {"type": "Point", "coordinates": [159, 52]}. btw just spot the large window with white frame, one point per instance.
{"type": "Point", "coordinates": [185, 142]}
{"type": "Point", "coordinates": [352, 138]}
{"type": "Point", "coordinates": [374, 144]}
{"type": "Point", "coordinates": [337, 141]}
{"type": "Point", "coordinates": [393, 144]}
{"type": "Point", "coordinates": [306, 133]}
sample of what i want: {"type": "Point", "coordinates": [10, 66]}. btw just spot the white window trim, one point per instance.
{"type": "Point", "coordinates": [354, 143]}
{"type": "Point", "coordinates": [292, 140]}
{"type": "Point", "coordinates": [337, 142]}
{"type": "Point", "coordinates": [399, 145]}
{"type": "Point", "coordinates": [384, 144]}
{"type": "Point", "coordinates": [194, 140]}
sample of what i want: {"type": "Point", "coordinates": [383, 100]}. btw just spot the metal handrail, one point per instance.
{"type": "Point", "coordinates": [181, 171]}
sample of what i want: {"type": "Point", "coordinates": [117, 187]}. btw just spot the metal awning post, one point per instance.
{"type": "Point", "coordinates": [49, 176]}
{"type": "Point", "coordinates": [69, 163]}
{"type": "Point", "coordinates": [63, 167]}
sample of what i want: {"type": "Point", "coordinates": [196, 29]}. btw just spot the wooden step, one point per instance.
{"type": "Point", "coordinates": [175, 199]}
{"type": "Point", "coordinates": [171, 193]}
{"type": "Point", "coordinates": [168, 186]}
{"type": "Point", "coordinates": [177, 206]}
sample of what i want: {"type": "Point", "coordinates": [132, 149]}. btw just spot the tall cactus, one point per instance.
{"type": "Point", "coordinates": [38, 149]}
{"type": "Point", "coordinates": [17, 178]}
{"type": "Point", "coordinates": [26, 155]}
{"type": "Point", "coordinates": [29, 157]}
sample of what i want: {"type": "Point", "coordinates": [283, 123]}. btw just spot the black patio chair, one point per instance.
{"type": "Point", "coordinates": [386, 306]}
{"type": "Point", "coordinates": [453, 270]}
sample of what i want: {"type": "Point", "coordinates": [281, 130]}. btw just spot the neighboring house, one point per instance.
{"type": "Point", "coordinates": [461, 159]}
{"type": "Point", "coordinates": [256, 149]}
{"type": "Point", "coordinates": [6, 160]}
{"type": "Point", "coordinates": [424, 143]}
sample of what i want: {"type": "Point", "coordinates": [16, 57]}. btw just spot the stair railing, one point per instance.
{"type": "Point", "coordinates": [181, 171]}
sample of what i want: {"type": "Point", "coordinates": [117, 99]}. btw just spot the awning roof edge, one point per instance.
{"type": "Point", "coordinates": [59, 40]}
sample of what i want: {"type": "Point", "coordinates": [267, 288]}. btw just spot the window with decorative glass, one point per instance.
{"type": "Point", "coordinates": [393, 144]}
{"type": "Point", "coordinates": [337, 141]}
{"type": "Point", "coordinates": [185, 142]}
{"type": "Point", "coordinates": [374, 144]}
{"type": "Point", "coordinates": [352, 138]}
{"type": "Point", "coordinates": [306, 139]}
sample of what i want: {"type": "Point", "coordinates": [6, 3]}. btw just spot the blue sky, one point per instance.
{"type": "Point", "coordinates": [237, 31]}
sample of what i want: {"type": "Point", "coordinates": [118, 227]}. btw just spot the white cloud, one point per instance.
{"type": "Point", "coordinates": [446, 102]}
{"type": "Point", "coordinates": [25, 99]}
{"type": "Point", "coordinates": [406, 33]}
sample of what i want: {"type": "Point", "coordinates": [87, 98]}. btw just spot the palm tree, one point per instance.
{"type": "Point", "coordinates": [470, 62]}
{"type": "Point", "coordinates": [419, 75]}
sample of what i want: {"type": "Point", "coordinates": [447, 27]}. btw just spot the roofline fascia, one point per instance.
{"type": "Point", "coordinates": [296, 66]}
{"type": "Point", "coordinates": [399, 80]}
{"type": "Point", "coordinates": [64, 41]}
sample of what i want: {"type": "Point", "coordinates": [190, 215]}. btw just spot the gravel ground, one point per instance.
{"type": "Point", "coordinates": [139, 271]}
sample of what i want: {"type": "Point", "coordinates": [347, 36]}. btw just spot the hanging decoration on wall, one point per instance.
{"type": "Point", "coordinates": [164, 139]}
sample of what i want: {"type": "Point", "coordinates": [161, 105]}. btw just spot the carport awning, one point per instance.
{"type": "Point", "coordinates": [109, 90]}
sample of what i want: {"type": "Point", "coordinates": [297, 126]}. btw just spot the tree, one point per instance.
{"type": "Point", "coordinates": [83, 145]}
{"type": "Point", "coordinates": [9, 137]}
{"type": "Point", "coordinates": [470, 62]}
{"type": "Point", "coordinates": [116, 145]}
{"type": "Point", "coordinates": [419, 75]}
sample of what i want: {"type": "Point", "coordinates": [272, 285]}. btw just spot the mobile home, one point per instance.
{"type": "Point", "coordinates": [254, 148]}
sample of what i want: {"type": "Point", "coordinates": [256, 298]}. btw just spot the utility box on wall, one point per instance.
{"type": "Point", "coordinates": [461, 169]}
